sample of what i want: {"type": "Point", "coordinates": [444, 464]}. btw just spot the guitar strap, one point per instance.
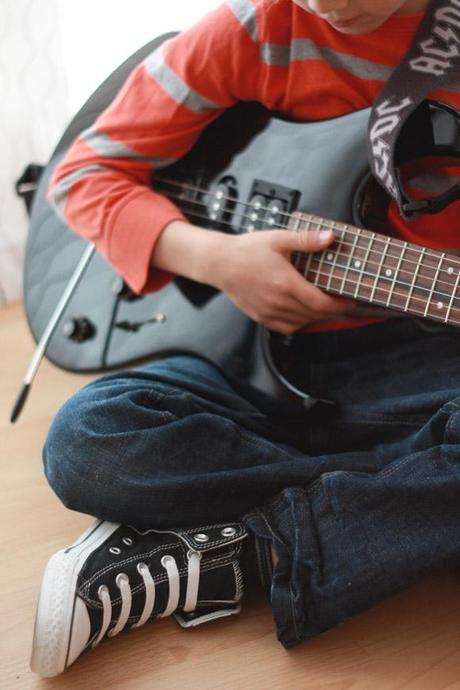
{"type": "Point", "coordinates": [401, 120]}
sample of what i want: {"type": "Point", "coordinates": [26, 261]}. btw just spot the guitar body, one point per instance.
{"type": "Point", "coordinates": [247, 171]}
{"type": "Point", "coordinates": [245, 145]}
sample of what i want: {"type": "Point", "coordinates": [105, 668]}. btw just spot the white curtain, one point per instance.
{"type": "Point", "coordinates": [53, 54]}
{"type": "Point", "coordinates": [33, 113]}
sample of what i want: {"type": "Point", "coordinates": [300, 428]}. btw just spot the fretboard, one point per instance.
{"type": "Point", "coordinates": [382, 271]}
{"type": "Point", "coordinates": [364, 265]}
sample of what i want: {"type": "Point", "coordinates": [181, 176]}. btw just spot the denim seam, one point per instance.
{"type": "Point", "coordinates": [276, 504]}
{"type": "Point", "coordinates": [297, 490]}
{"type": "Point", "coordinates": [387, 472]}
{"type": "Point", "coordinates": [294, 621]}
{"type": "Point", "coordinates": [291, 593]}
{"type": "Point", "coordinates": [167, 392]}
{"type": "Point", "coordinates": [255, 441]}
{"type": "Point", "coordinates": [249, 437]}
{"type": "Point", "coordinates": [159, 396]}
{"type": "Point", "coordinates": [275, 537]}
{"type": "Point", "coordinates": [449, 424]}
{"type": "Point", "coordinates": [390, 470]}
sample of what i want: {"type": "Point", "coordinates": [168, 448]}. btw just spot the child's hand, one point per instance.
{"type": "Point", "coordinates": [256, 273]}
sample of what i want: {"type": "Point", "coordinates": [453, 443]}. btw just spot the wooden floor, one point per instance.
{"type": "Point", "coordinates": [410, 642]}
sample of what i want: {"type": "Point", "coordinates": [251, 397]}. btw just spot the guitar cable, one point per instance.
{"type": "Point", "coordinates": [49, 330]}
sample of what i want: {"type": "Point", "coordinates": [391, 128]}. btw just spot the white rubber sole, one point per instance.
{"type": "Point", "coordinates": [53, 622]}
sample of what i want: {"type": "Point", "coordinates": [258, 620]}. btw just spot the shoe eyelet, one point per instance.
{"type": "Point", "coordinates": [142, 567]}
{"type": "Point", "coordinates": [228, 532]}
{"type": "Point", "coordinates": [115, 550]}
{"type": "Point", "coordinates": [128, 541]}
{"type": "Point", "coordinates": [201, 538]}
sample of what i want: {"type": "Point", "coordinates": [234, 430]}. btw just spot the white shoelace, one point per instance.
{"type": "Point", "coordinates": [122, 582]}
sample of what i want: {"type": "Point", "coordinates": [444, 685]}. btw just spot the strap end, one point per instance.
{"type": "Point", "coordinates": [20, 400]}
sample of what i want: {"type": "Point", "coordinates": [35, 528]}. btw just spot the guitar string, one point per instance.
{"type": "Point", "coordinates": [320, 222]}
{"type": "Point", "coordinates": [400, 283]}
{"type": "Point", "coordinates": [409, 298]}
{"type": "Point", "coordinates": [346, 229]}
{"type": "Point", "coordinates": [381, 288]}
{"type": "Point", "coordinates": [411, 309]}
{"type": "Point", "coordinates": [378, 276]}
{"type": "Point", "coordinates": [350, 244]}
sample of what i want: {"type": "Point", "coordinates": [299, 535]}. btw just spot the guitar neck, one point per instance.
{"type": "Point", "coordinates": [364, 265]}
{"type": "Point", "coordinates": [382, 271]}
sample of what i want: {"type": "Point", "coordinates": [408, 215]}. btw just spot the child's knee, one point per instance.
{"type": "Point", "coordinates": [68, 449]}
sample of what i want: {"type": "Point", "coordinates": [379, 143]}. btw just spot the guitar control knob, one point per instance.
{"type": "Point", "coordinates": [79, 329]}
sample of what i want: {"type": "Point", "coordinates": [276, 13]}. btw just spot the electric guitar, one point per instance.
{"type": "Point", "coordinates": [250, 170]}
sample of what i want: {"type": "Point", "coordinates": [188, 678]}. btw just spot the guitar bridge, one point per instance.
{"type": "Point", "coordinates": [268, 205]}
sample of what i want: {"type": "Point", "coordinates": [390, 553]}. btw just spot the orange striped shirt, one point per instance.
{"type": "Point", "coordinates": [269, 51]}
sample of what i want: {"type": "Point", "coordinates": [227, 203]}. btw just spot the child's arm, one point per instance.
{"type": "Point", "coordinates": [254, 270]}
{"type": "Point", "coordinates": [102, 187]}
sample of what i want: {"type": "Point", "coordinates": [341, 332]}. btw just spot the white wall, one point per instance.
{"type": "Point", "coordinates": [100, 34]}
{"type": "Point", "coordinates": [53, 54]}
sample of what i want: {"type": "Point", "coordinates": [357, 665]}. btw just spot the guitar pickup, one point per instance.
{"type": "Point", "coordinates": [268, 206]}
{"type": "Point", "coordinates": [221, 202]}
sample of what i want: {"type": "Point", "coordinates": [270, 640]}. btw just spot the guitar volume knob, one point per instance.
{"type": "Point", "coordinates": [79, 329]}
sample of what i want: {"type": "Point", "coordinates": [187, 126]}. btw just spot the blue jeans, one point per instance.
{"type": "Point", "coordinates": [358, 500]}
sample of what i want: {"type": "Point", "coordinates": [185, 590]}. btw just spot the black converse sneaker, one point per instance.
{"type": "Point", "coordinates": [114, 577]}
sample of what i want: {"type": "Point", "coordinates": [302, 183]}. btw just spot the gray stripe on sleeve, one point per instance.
{"type": "Point", "coordinates": [303, 49]}
{"type": "Point", "coordinates": [111, 148]}
{"type": "Point", "coordinates": [364, 69]}
{"type": "Point", "coordinates": [245, 12]}
{"type": "Point", "coordinates": [275, 54]}
{"type": "Point", "coordinates": [175, 86]}
{"type": "Point", "coordinates": [61, 189]}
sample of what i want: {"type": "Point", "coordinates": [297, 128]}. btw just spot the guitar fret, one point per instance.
{"type": "Point", "coordinates": [393, 273]}
{"type": "Point", "coordinates": [350, 257]}
{"type": "Point", "coordinates": [335, 256]}
{"type": "Point", "coordinates": [310, 254]}
{"type": "Point", "coordinates": [379, 271]}
{"type": "Point", "coordinates": [298, 254]}
{"type": "Point", "coordinates": [396, 274]}
{"type": "Point", "coordinates": [364, 262]}
{"type": "Point", "coordinates": [451, 301]}
{"type": "Point", "coordinates": [414, 278]}
{"type": "Point", "coordinates": [321, 260]}
{"type": "Point", "coordinates": [433, 286]}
